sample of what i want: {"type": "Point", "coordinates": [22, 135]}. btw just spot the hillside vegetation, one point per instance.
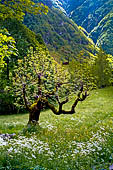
{"type": "Point", "coordinates": [24, 39]}
{"type": "Point", "coordinates": [62, 36]}
{"type": "Point", "coordinates": [23, 36]}
{"type": "Point", "coordinates": [88, 13]}
{"type": "Point", "coordinates": [92, 15]}
{"type": "Point", "coordinates": [103, 33]}
{"type": "Point", "coordinates": [95, 17]}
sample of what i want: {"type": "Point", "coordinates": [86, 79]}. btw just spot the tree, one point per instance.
{"type": "Point", "coordinates": [17, 9]}
{"type": "Point", "coordinates": [81, 70]}
{"type": "Point", "coordinates": [7, 47]}
{"type": "Point", "coordinates": [7, 52]}
{"type": "Point", "coordinates": [102, 69]}
{"type": "Point", "coordinates": [39, 77]}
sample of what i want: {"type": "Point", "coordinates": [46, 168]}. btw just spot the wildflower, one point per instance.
{"type": "Point", "coordinates": [2, 142]}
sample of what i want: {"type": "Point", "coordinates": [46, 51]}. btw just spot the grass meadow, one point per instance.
{"type": "Point", "coordinates": [82, 141]}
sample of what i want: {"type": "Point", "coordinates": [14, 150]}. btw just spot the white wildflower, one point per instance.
{"type": "Point", "coordinates": [2, 142]}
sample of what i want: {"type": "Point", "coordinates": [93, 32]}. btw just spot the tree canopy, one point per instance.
{"type": "Point", "coordinates": [102, 69]}
{"type": "Point", "coordinates": [40, 74]}
{"type": "Point", "coordinates": [17, 9]}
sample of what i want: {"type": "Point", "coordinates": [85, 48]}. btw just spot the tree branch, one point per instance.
{"type": "Point", "coordinates": [80, 97]}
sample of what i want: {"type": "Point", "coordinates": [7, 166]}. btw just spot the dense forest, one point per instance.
{"type": "Point", "coordinates": [56, 56]}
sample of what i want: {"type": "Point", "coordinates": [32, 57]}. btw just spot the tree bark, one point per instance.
{"type": "Point", "coordinates": [34, 116]}
{"type": "Point", "coordinates": [34, 112]}
{"type": "Point", "coordinates": [80, 97]}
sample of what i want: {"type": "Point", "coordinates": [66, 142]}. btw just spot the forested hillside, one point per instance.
{"type": "Point", "coordinates": [88, 13]}
{"type": "Point", "coordinates": [62, 36]}
{"type": "Point", "coordinates": [92, 15]}
{"type": "Point", "coordinates": [23, 36]}
{"type": "Point", "coordinates": [103, 33]}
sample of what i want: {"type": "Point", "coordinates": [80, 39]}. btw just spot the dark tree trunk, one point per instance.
{"type": "Point", "coordinates": [34, 116]}
{"type": "Point", "coordinates": [34, 111]}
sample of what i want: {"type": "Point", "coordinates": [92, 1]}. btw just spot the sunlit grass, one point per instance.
{"type": "Point", "coordinates": [81, 141]}
{"type": "Point", "coordinates": [12, 123]}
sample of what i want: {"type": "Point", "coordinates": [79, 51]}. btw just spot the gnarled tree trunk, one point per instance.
{"type": "Point", "coordinates": [36, 108]}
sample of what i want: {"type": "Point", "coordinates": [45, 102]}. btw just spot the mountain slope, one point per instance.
{"type": "Point", "coordinates": [88, 13]}
{"type": "Point", "coordinates": [96, 17]}
{"type": "Point", "coordinates": [103, 33]}
{"type": "Point", "coordinates": [23, 36]}
{"type": "Point", "coordinates": [61, 35]}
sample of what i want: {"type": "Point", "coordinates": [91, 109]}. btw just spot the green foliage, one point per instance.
{"type": "Point", "coordinates": [62, 36]}
{"type": "Point", "coordinates": [17, 9]}
{"type": "Point", "coordinates": [8, 52]}
{"type": "Point", "coordinates": [7, 101]}
{"type": "Point", "coordinates": [17, 47]}
{"type": "Point", "coordinates": [7, 47]}
{"type": "Point", "coordinates": [80, 141]}
{"type": "Point", "coordinates": [102, 69]}
{"type": "Point", "coordinates": [40, 73]}
{"type": "Point", "coordinates": [23, 36]}
{"type": "Point", "coordinates": [94, 71]}
{"type": "Point", "coordinates": [81, 70]}
{"type": "Point", "coordinates": [30, 129]}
